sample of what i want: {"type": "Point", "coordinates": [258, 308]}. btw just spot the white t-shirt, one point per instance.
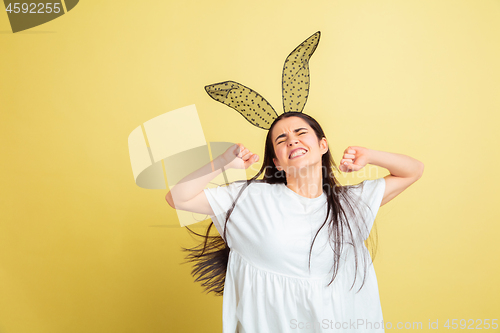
{"type": "Point", "coordinates": [268, 285]}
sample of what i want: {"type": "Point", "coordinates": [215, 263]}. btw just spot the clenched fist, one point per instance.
{"type": "Point", "coordinates": [238, 157]}
{"type": "Point", "coordinates": [354, 159]}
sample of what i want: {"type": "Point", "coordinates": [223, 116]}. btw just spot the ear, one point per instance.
{"type": "Point", "coordinates": [276, 163]}
{"type": "Point", "coordinates": [323, 145]}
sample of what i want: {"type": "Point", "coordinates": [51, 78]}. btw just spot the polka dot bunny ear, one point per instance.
{"type": "Point", "coordinates": [295, 81]}
{"type": "Point", "coordinates": [249, 103]}
{"type": "Point", "coordinates": [295, 85]}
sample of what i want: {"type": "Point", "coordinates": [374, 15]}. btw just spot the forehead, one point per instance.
{"type": "Point", "coordinates": [288, 125]}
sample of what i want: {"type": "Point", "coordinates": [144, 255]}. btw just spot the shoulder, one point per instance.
{"type": "Point", "coordinates": [371, 185]}
{"type": "Point", "coordinates": [258, 190]}
{"type": "Point", "coordinates": [261, 187]}
{"type": "Point", "coordinates": [244, 186]}
{"type": "Point", "coordinates": [371, 192]}
{"type": "Point", "coordinates": [366, 187]}
{"type": "Point", "coordinates": [374, 187]}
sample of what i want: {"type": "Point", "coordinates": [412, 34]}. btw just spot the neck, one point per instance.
{"type": "Point", "coordinates": [308, 183]}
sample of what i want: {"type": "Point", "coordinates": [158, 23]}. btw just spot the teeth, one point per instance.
{"type": "Point", "coordinates": [299, 152]}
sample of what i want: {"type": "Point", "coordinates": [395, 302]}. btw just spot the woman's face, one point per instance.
{"type": "Point", "coordinates": [296, 145]}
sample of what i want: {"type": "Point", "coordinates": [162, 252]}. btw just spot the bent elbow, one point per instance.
{"type": "Point", "coordinates": [170, 202]}
{"type": "Point", "coordinates": [421, 170]}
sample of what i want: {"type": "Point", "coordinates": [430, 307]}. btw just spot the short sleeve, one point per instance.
{"type": "Point", "coordinates": [221, 199]}
{"type": "Point", "coordinates": [372, 193]}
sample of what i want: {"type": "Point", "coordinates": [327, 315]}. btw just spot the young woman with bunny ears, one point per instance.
{"type": "Point", "coordinates": [291, 247]}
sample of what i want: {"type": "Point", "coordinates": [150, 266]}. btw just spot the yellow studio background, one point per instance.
{"type": "Point", "coordinates": [84, 249]}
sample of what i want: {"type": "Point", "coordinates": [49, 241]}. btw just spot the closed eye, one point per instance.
{"type": "Point", "coordinates": [284, 141]}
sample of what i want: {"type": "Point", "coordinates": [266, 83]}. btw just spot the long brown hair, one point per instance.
{"type": "Point", "coordinates": [210, 258]}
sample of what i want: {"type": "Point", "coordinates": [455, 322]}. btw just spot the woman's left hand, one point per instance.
{"type": "Point", "coordinates": [354, 159]}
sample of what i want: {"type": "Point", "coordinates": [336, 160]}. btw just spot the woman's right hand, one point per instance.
{"type": "Point", "coordinates": [238, 157]}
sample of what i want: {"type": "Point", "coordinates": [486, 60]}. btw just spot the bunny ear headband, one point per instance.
{"type": "Point", "coordinates": [295, 86]}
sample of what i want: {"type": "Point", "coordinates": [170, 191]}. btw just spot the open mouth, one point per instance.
{"type": "Point", "coordinates": [297, 153]}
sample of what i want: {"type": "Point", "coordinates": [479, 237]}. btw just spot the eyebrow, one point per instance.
{"type": "Point", "coordinates": [284, 134]}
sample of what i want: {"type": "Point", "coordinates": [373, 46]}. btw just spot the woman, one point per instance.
{"type": "Point", "coordinates": [292, 244]}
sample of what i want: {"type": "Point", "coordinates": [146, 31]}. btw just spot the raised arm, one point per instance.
{"type": "Point", "coordinates": [405, 170]}
{"type": "Point", "coordinates": [188, 193]}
